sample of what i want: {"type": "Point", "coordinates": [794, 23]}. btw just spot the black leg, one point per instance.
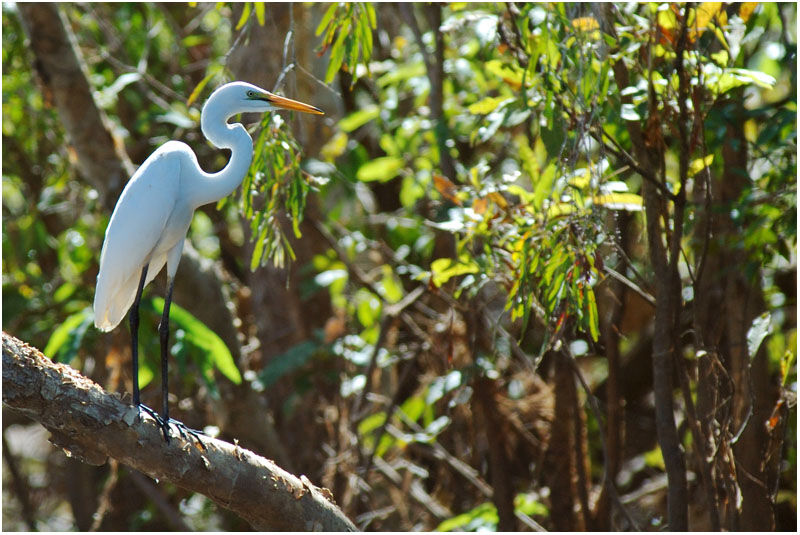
{"type": "Point", "coordinates": [163, 331]}
{"type": "Point", "coordinates": [133, 319]}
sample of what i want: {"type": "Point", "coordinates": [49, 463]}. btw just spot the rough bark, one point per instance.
{"type": "Point", "coordinates": [566, 453]}
{"type": "Point", "coordinates": [487, 419]}
{"type": "Point", "coordinates": [93, 425]}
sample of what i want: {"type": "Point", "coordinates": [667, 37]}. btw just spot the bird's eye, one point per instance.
{"type": "Point", "coordinates": [251, 93]}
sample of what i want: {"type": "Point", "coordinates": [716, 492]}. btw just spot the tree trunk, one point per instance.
{"type": "Point", "coordinates": [566, 456]}
{"type": "Point", "coordinates": [100, 159]}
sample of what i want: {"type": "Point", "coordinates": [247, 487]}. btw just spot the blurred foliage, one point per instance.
{"type": "Point", "coordinates": [437, 284]}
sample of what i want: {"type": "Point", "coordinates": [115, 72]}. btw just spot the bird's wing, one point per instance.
{"type": "Point", "coordinates": [136, 225]}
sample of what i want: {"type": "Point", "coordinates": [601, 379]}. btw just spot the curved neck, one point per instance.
{"type": "Point", "coordinates": [211, 187]}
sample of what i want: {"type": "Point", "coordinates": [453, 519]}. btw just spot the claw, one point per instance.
{"type": "Point", "coordinates": [183, 430]}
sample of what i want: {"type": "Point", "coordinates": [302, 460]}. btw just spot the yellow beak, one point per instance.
{"type": "Point", "coordinates": [289, 104]}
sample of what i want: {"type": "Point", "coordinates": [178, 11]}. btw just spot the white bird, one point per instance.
{"type": "Point", "coordinates": [152, 216]}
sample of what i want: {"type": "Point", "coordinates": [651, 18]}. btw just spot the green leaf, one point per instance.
{"type": "Point", "coordinates": [528, 505]}
{"type": "Point", "coordinates": [66, 338]}
{"type": "Point", "coordinates": [359, 118]}
{"type": "Point", "coordinates": [591, 307]}
{"type": "Point", "coordinates": [368, 307]}
{"type": "Point", "coordinates": [509, 73]}
{"type": "Point", "coordinates": [481, 518]}
{"type": "Point", "coordinates": [487, 105]}
{"type": "Point", "coordinates": [619, 201]}
{"type": "Point", "coordinates": [544, 185]}
{"type": "Point", "coordinates": [654, 458]}
{"type": "Point", "coordinates": [444, 269]}
{"type": "Point", "coordinates": [380, 169]}
{"type": "Point", "coordinates": [370, 11]}
{"type": "Point", "coordinates": [761, 79]}
{"type": "Point", "coordinates": [337, 55]}
{"type": "Point", "coordinates": [699, 164]}
{"type": "Point", "coordinates": [326, 18]}
{"type": "Point", "coordinates": [245, 15]}
{"type": "Point", "coordinates": [208, 347]}
{"type": "Point", "coordinates": [293, 358]}
{"type": "Point", "coordinates": [402, 73]}
{"type": "Point", "coordinates": [413, 407]}
{"type": "Point", "coordinates": [390, 287]}
{"type": "Point", "coordinates": [371, 423]}
{"type": "Point", "coordinates": [259, 6]}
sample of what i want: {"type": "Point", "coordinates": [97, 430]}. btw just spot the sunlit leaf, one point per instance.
{"type": "Point", "coordinates": [746, 9]}
{"type": "Point", "coordinates": [585, 23]}
{"type": "Point", "coordinates": [759, 329]}
{"type": "Point", "coordinates": [380, 169]}
{"type": "Point", "coordinates": [591, 308]}
{"type": "Point", "coordinates": [487, 105]}
{"type": "Point", "coordinates": [359, 118]}
{"type": "Point", "coordinates": [654, 458]}
{"type": "Point", "coordinates": [527, 504]}
{"type": "Point", "coordinates": [544, 186]}
{"type": "Point", "coordinates": [510, 74]}
{"type": "Point", "coordinates": [66, 339]}
{"type": "Point", "coordinates": [212, 72]}
{"type": "Point", "coordinates": [207, 344]}
{"type": "Point", "coordinates": [481, 518]}
{"type": "Point", "coordinates": [337, 58]}
{"type": "Point", "coordinates": [371, 423]}
{"type": "Point", "coordinates": [327, 18]}
{"type": "Point", "coordinates": [629, 113]}
{"type": "Point", "coordinates": [245, 15]}
{"type": "Point", "coordinates": [368, 307]}
{"type": "Point", "coordinates": [442, 385]}
{"type": "Point", "coordinates": [260, 17]}
{"type": "Point", "coordinates": [444, 269]}
{"type": "Point", "coordinates": [619, 201]}
{"type": "Point", "coordinates": [704, 14]}
{"type": "Point", "coordinates": [761, 79]}
{"type": "Point", "coordinates": [699, 164]}
{"type": "Point", "coordinates": [560, 209]}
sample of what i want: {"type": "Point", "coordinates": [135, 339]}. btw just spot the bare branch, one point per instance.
{"type": "Point", "coordinates": [93, 425]}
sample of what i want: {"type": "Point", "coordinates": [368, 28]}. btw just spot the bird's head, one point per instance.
{"type": "Point", "coordinates": [241, 97]}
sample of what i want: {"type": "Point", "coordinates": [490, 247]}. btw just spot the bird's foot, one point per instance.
{"type": "Point", "coordinates": [183, 430]}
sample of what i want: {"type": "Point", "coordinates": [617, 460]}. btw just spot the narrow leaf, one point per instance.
{"type": "Point", "coordinates": [259, 6]}
{"type": "Point", "coordinates": [245, 15]}
{"type": "Point", "coordinates": [326, 18]}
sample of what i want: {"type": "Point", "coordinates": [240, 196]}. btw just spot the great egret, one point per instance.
{"type": "Point", "coordinates": [152, 216]}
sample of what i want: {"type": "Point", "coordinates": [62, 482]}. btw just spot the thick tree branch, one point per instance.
{"type": "Point", "coordinates": [92, 425]}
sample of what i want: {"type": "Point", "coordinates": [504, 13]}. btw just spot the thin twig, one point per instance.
{"type": "Point", "coordinates": [105, 495]}
{"type": "Point", "coordinates": [630, 284]}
